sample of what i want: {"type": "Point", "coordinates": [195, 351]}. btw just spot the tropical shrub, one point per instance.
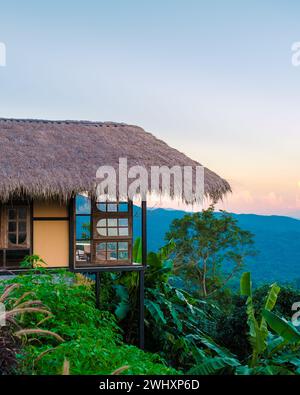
{"type": "Point", "coordinates": [275, 343]}
{"type": "Point", "coordinates": [92, 340]}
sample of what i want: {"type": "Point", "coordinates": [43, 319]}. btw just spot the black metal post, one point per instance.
{"type": "Point", "coordinates": [141, 310]}
{"type": "Point", "coordinates": [142, 278]}
{"type": "Point", "coordinates": [71, 234]}
{"type": "Point", "coordinates": [97, 289]}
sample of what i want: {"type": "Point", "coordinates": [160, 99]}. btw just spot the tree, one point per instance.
{"type": "Point", "coordinates": [210, 249]}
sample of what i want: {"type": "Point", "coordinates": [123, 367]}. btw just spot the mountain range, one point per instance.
{"type": "Point", "coordinates": [277, 240]}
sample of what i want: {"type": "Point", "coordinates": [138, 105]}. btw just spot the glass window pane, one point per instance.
{"type": "Point", "coordinates": [123, 255]}
{"type": "Point", "coordinates": [22, 226]}
{"type": "Point", "coordinates": [102, 231]}
{"type": "Point", "coordinates": [12, 213]}
{"type": "Point", "coordinates": [101, 251]}
{"type": "Point", "coordinates": [101, 223]}
{"type": "Point", "coordinates": [112, 255]}
{"type": "Point", "coordinates": [111, 251]}
{"type": "Point", "coordinates": [83, 227]}
{"type": "Point", "coordinates": [82, 204]}
{"type": "Point", "coordinates": [12, 237]}
{"type": "Point", "coordinates": [22, 212]}
{"type": "Point", "coordinates": [112, 207]}
{"type": "Point", "coordinates": [112, 231]}
{"type": "Point", "coordinates": [12, 227]}
{"type": "Point", "coordinates": [22, 238]}
{"type": "Point", "coordinates": [123, 222]}
{"type": "Point", "coordinates": [83, 252]}
{"type": "Point", "coordinates": [112, 246]}
{"type": "Point", "coordinates": [123, 207]}
{"type": "Point", "coordinates": [101, 207]}
{"type": "Point", "coordinates": [123, 246]}
{"type": "Point", "coordinates": [112, 222]}
{"type": "Point", "coordinates": [101, 246]}
{"type": "Point", "coordinates": [123, 231]}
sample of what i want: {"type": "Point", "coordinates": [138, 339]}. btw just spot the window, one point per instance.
{"type": "Point", "coordinates": [83, 230]}
{"type": "Point", "coordinates": [103, 232]}
{"type": "Point", "coordinates": [112, 232]}
{"type": "Point", "coordinates": [17, 224]}
{"type": "Point", "coordinates": [15, 240]}
{"type": "Point", "coordinates": [113, 227]}
{"type": "Point", "coordinates": [112, 251]}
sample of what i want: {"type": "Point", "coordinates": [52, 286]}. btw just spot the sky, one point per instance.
{"type": "Point", "coordinates": [212, 78]}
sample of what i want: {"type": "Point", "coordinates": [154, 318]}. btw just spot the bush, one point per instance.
{"type": "Point", "coordinates": [287, 296]}
{"type": "Point", "coordinates": [232, 329]}
{"type": "Point", "coordinates": [92, 340]}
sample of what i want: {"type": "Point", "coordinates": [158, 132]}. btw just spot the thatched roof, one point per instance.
{"type": "Point", "coordinates": [44, 159]}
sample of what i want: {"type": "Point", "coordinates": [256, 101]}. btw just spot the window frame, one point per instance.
{"type": "Point", "coordinates": [97, 239]}
{"type": "Point", "coordinates": [17, 220]}
{"type": "Point", "coordinates": [7, 248]}
{"type": "Point", "coordinates": [91, 260]}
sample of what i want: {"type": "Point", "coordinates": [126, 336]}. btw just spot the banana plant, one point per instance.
{"type": "Point", "coordinates": [258, 329]}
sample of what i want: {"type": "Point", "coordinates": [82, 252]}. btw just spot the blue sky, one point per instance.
{"type": "Point", "coordinates": [212, 78]}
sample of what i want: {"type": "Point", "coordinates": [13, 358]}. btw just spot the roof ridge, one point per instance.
{"type": "Point", "coordinates": [65, 121]}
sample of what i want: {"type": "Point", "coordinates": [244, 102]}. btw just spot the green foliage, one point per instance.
{"type": "Point", "coordinates": [208, 246]}
{"type": "Point", "coordinates": [10, 340]}
{"type": "Point", "coordinates": [286, 298]}
{"type": "Point", "coordinates": [92, 340]}
{"type": "Point", "coordinates": [258, 332]}
{"type": "Point", "coordinates": [173, 317]}
{"type": "Point", "coordinates": [32, 261]}
{"type": "Point", "coordinates": [232, 328]}
{"type": "Point", "coordinates": [283, 328]}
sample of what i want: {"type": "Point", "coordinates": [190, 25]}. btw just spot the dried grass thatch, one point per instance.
{"type": "Point", "coordinates": [57, 159]}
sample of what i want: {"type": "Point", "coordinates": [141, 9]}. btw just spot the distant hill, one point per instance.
{"type": "Point", "coordinates": [276, 238]}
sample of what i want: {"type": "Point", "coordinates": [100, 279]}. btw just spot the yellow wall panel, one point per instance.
{"type": "Point", "coordinates": [51, 242]}
{"type": "Point", "coordinates": [49, 208]}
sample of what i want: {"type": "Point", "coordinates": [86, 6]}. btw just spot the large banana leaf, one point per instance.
{"type": "Point", "coordinates": [174, 314]}
{"type": "Point", "coordinates": [257, 339]}
{"type": "Point", "coordinates": [246, 284]}
{"type": "Point", "coordinates": [211, 344]}
{"type": "Point", "coordinates": [269, 305]}
{"type": "Point", "coordinates": [272, 297]}
{"type": "Point", "coordinates": [283, 328]}
{"type": "Point", "coordinates": [155, 310]}
{"type": "Point", "coordinates": [214, 365]}
{"type": "Point", "coordinates": [257, 334]}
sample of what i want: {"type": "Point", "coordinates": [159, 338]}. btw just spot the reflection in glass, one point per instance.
{"type": "Point", "coordinates": [123, 231]}
{"type": "Point", "coordinates": [123, 207]}
{"type": "Point", "coordinates": [83, 205]}
{"type": "Point", "coordinates": [112, 207]}
{"type": "Point", "coordinates": [112, 222]}
{"type": "Point", "coordinates": [112, 231]}
{"type": "Point", "coordinates": [83, 227]}
{"type": "Point", "coordinates": [123, 221]}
